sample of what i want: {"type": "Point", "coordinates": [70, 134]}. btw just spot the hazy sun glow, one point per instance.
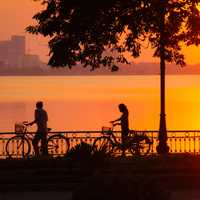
{"type": "Point", "coordinates": [88, 103]}
{"type": "Point", "coordinates": [198, 6]}
{"type": "Point", "coordinates": [93, 103]}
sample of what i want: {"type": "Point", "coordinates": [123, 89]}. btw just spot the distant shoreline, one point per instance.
{"type": "Point", "coordinates": [140, 69]}
{"type": "Point", "coordinates": [167, 74]}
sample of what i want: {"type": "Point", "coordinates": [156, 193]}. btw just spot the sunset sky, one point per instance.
{"type": "Point", "coordinates": [17, 14]}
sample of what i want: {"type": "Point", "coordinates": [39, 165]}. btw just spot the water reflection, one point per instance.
{"type": "Point", "coordinates": [88, 103]}
{"type": "Point", "coordinates": [10, 113]}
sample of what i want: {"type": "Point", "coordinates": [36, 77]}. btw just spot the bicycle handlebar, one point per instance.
{"type": "Point", "coordinates": [25, 123]}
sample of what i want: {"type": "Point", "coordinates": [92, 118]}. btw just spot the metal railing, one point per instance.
{"type": "Point", "coordinates": [179, 141]}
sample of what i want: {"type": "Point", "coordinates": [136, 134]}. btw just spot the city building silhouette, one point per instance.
{"type": "Point", "coordinates": [13, 54]}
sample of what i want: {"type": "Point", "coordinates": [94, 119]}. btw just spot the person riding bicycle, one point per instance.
{"type": "Point", "coordinates": [123, 122]}
{"type": "Point", "coordinates": [41, 119]}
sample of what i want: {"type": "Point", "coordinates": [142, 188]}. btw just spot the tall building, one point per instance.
{"type": "Point", "coordinates": [18, 44]}
{"type": "Point", "coordinates": [13, 54]}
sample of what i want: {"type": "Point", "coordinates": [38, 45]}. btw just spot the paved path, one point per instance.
{"type": "Point", "coordinates": [186, 195]}
{"type": "Point", "coordinates": [46, 179]}
{"type": "Point", "coordinates": [36, 196]}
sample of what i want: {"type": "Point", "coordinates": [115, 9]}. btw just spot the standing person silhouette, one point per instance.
{"type": "Point", "coordinates": [123, 122]}
{"type": "Point", "coordinates": [41, 119]}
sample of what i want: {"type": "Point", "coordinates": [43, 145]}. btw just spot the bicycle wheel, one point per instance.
{"type": "Point", "coordinates": [141, 147]}
{"type": "Point", "coordinates": [103, 144]}
{"type": "Point", "coordinates": [119, 152]}
{"type": "Point", "coordinates": [58, 145]}
{"type": "Point", "coordinates": [18, 147]}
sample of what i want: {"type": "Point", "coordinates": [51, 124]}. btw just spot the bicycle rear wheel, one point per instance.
{"type": "Point", "coordinates": [58, 145]}
{"type": "Point", "coordinates": [18, 147]}
{"type": "Point", "coordinates": [141, 147]}
{"type": "Point", "coordinates": [103, 144]}
{"type": "Point", "coordinates": [119, 152]}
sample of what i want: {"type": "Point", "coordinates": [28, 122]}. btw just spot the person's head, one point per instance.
{"type": "Point", "coordinates": [39, 104]}
{"type": "Point", "coordinates": [122, 108]}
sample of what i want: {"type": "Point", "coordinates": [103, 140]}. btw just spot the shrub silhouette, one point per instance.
{"type": "Point", "coordinates": [80, 152]}
{"type": "Point", "coordinates": [84, 153]}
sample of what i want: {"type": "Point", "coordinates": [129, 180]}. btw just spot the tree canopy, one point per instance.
{"type": "Point", "coordinates": [96, 33]}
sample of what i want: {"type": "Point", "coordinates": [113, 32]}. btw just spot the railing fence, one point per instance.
{"type": "Point", "coordinates": [179, 141]}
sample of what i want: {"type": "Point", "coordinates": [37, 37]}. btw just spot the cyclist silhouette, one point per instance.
{"type": "Point", "coordinates": [41, 119]}
{"type": "Point", "coordinates": [123, 122]}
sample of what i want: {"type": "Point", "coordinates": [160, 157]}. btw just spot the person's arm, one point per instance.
{"type": "Point", "coordinates": [117, 120]}
{"type": "Point", "coordinates": [31, 123]}
{"type": "Point", "coordinates": [117, 124]}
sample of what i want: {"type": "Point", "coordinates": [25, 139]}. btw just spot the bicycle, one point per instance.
{"type": "Point", "coordinates": [19, 146]}
{"type": "Point", "coordinates": [137, 143]}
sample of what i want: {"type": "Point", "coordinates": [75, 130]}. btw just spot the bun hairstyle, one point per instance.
{"type": "Point", "coordinates": [123, 108]}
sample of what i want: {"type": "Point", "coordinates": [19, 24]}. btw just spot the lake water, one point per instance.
{"type": "Point", "coordinates": [90, 102]}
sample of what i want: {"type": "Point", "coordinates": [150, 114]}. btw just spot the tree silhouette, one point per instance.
{"type": "Point", "coordinates": [170, 24]}
{"type": "Point", "coordinates": [82, 31]}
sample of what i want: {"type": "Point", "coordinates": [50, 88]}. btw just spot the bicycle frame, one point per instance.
{"type": "Point", "coordinates": [25, 135]}
{"type": "Point", "coordinates": [21, 144]}
{"type": "Point", "coordinates": [28, 135]}
{"type": "Point", "coordinates": [134, 140]}
{"type": "Point", "coordinates": [110, 133]}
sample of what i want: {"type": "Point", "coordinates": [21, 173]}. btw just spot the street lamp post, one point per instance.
{"type": "Point", "coordinates": [162, 147]}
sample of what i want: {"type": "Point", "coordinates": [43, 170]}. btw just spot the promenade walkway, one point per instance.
{"type": "Point", "coordinates": [34, 179]}
{"type": "Point", "coordinates": [38, 178]}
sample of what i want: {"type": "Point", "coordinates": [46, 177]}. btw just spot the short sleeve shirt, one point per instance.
{"type": "Point", "coordinates": [41, 119]}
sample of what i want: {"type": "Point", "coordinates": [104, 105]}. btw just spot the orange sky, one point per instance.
{"type": "Point", "coordinates": [15, 15]}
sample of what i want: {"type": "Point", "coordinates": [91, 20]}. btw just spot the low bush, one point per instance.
{"type": "Point", "coordinates": [80, 152]}
{"type": "Point", "coordinates": [85, 153]}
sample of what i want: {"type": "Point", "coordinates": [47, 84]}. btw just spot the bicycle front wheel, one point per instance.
{"type": "Point", "coordinates": [103, 144]}
{"type": "Point", "coordinates": [18, 147]}
{"type": "Point", "coordinates": [58, 145]}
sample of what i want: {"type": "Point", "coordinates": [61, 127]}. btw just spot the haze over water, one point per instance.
{"type": "Point", "coordinates": [90, 102]}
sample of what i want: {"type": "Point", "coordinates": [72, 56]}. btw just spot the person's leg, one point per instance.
{"type": "Point", "coordinates": [35, 142]}
{"type": "Point", "coordinates": [123, 145]}
{"type": "Point", "coordinates": [124, 141]}
{"type": "Point", "coordinates": [44, 143]}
